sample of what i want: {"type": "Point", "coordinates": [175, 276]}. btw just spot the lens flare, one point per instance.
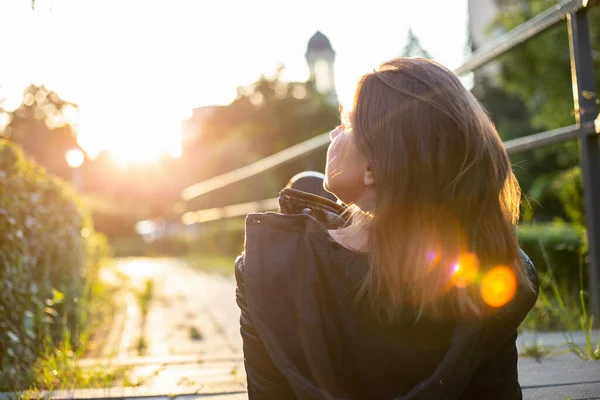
{"type": "Point", "coordinates": [499, 286]}
{"type": "Point", "coordinates": [465, 270]}
{"type": "Point", "coordinates": [434, 257]}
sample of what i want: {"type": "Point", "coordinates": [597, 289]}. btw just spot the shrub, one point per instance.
{"type": "Point", "coordinates": [49, 253]}
{"type": "Point", "coordinates": [555, 248]}
{"type": "Point", "coordinates": [569, 186]}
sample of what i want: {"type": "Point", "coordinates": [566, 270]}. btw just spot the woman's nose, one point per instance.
{"type": "Point", "coordinates": [335, 132]}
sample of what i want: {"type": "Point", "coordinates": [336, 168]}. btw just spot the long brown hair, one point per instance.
{"type": "Point", "coordinates": [446, 193]}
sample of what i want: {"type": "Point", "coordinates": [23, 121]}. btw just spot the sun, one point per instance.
{"type": "Point", "coordinates": [129, 143]}
{"type": "Point", "coordinates": [141, 152]}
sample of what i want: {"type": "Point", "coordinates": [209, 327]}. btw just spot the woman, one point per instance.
{"type": "Point", "coordinates": [416, 290]}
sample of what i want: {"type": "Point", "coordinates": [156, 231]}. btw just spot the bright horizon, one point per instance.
{"type": "Point", "coordinates": [138, 68]}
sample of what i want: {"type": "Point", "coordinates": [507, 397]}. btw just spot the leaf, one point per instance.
{"type": "Point", "coordinates": [51, 311]}
{"type": "Point", "coordinates": [12, 337]}
{"type": "Point", "coordinates": [57, 297]}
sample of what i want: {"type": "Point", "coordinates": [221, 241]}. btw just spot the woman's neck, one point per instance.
{"type": "Point", "coordinates": [353, 237]}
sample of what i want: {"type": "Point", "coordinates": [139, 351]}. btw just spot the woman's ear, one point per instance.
{"type": "Point", "coordinates": [369, 179]}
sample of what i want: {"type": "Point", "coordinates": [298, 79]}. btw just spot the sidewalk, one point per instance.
{"type": "Point", "coordinates": [560, 375]}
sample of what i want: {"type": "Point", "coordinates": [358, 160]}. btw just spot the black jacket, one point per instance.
{"type": "Point", "coordinates": [306, 338]}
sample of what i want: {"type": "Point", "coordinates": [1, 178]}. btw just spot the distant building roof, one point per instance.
{"type": "Point", "coordinates": [319, 43]}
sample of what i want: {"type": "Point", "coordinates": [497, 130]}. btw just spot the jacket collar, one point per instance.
{"type": "Point", "coordinates": [329, 213]}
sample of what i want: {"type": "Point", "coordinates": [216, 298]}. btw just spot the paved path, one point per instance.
{"type": "Point", "coordinates": [191, 331]}
{"type": "Point", "coordinates": [561, 377]}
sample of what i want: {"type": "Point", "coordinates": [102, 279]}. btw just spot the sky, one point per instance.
{"type": "Point", "coordinates": [136, 68]}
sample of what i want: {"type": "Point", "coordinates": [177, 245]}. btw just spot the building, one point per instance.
{"type": "Point", "coordinates": [482, 14]}
{"type": "Point", "coordinates": [320, 57]}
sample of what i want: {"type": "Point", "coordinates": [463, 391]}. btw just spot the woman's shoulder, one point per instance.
{"type": "Point", "coordinates": [300, 226]}
{"type": "Point", "coordinates": [284, 238]}
{"type": "Point", "coordinates": [281, 245]}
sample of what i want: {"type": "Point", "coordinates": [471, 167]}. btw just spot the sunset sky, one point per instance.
{"type": "Point", "coordinates": [136, 68]}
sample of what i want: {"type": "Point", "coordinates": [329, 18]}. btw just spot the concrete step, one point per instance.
{"type": "Point", "coordinates": [229, 391]}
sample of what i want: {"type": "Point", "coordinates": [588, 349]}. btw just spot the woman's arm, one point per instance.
{"type": "Point", "coordinates": [497, 376]}
{"type": "Point", "coordinates": [264, 379]}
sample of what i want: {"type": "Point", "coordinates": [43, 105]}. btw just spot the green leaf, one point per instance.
{"type": "Point", "coordinates": [57, 297]}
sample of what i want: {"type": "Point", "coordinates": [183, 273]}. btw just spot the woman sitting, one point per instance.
{"type": "Point", "coordinates": [416, 288]}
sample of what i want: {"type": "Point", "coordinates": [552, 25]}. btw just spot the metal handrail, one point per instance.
{"type": "Point", "coordinates": [520, 34]}
{"type": "Point", "coordinates": [275, 160]}
{"type": "Point", "coordinates": [236, 210]}
{"type": "Point", "coordinates": [546, 138]}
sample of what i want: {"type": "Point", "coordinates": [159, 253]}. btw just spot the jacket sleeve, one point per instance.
{"type": "Point", "coordinates": [497, 376]}
{"type": "Point", "coordinates": [264, 379]}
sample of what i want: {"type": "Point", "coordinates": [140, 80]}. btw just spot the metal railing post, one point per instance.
{"type": "Point", "coordinates": [586, 111]}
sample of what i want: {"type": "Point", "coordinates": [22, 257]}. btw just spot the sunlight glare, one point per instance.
{"type": "Point", "coordinates": [128, 138]}
{"type": "Point", "coordinates": [465, 270]}
{"type": "Point", "coordinates": [499, 286]}
{"type": "Point", "coordinates": [74, 158]}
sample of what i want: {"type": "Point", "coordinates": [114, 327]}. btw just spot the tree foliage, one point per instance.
{"type": "Point", "coordinates": [49, 255]}
{"type": "Point", "coordinates": [537, 75]}
{"type": "Point", "coordinates": [40, 126]}
{"type": "Point", "coordinates": [413, 47]}
{"type": "Point", "coordinates": [266, 117]}
{"type": "Point", "coordinates": [538, 71]}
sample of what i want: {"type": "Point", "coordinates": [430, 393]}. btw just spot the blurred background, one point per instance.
{"type": "Point", "coordinates": [161, 95]}
{"type": "Point", "coordinates": [109, 110]}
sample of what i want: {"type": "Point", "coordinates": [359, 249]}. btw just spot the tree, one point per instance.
{"type": "Point", "coordinates": [413, 47]}
{"type": "Point", "coordinates": [538, 71]}
{"type": "Point", "coordinates": [39, 125]}
{"type": "Point", "coordinates": [537, 74]}
{"type": "Point", "coordinates": [266, 117]}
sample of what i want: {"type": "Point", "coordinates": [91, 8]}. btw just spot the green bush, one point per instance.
{"type": "Point", "coordinates": [569, 186]}
{"type": "Point", "coordinates": [49, 254]}
{"type": "Point", "coordinates": [555, 248]}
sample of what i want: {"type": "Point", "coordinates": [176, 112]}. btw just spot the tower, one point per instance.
{"type": "Point", "coordinates": [320, 58]}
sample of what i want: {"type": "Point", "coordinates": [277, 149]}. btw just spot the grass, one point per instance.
{"type": "Point", "coordinates": [100, 314]}
{"type": "Point", "coordinates": [535, 349]}
{"type": "Point", "coordinates": [223, 265]}
{"type": "Point", "coordinates": [557, 309]}
{"type": "Point", "coordinates": [144, 298]}
{"type": "Point", "coordinates": [195, 333]}
{"type": "Point", "coordinates": [58, 369]}
{"type": "Point", "coordinates": [141, 345]}
{"type": "Point", "coordinates": [586, 323]}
